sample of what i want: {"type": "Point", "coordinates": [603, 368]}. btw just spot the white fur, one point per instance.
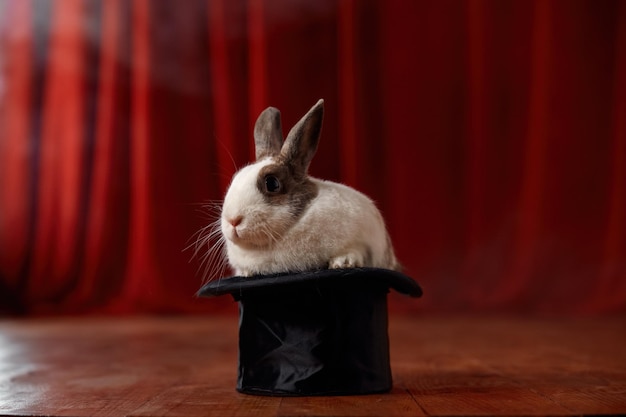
{"type": "Point", "coordinates": [340, 228]}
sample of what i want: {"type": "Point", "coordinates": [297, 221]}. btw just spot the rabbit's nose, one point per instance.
{"type": "Point", "coordinates": [235, 221]}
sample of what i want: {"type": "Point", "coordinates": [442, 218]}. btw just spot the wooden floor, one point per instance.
{"type": "Point", "coordinates": [187, 367]}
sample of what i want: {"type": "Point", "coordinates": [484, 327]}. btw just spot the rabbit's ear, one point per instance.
{"type": "Point", "coordinates": [268, 133]}
{"type": "Point", "coordinates": [302, 140]}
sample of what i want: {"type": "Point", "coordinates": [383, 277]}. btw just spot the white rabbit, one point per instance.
{"type": "Point", "coordinates": [275, 218]}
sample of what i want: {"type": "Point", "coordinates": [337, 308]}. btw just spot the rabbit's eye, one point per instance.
{"type": "Point", "coordinates": [272, 184]}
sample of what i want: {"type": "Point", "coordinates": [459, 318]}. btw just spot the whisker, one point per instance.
{"type": "Point", "coordinates": [208, 244]}
{"type": "Point", "coordinates": [230, 155]}
{"type": "Point", "coordinates": [273, 235]}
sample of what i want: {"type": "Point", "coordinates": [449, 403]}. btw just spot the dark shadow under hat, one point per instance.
{"type": "Point", "coordinates": [321, 332]}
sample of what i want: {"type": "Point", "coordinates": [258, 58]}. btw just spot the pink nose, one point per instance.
{"type": "Point", "coordinates": [235, 221]}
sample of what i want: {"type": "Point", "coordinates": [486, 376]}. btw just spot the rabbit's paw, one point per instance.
{"type": "Point", "coordinates": [350, 260]}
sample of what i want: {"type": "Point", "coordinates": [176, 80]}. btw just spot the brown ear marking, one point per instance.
{"type": "Point", "coordinates": [268, 133]}
{"type": "Point", "coordinates": [301, 142]}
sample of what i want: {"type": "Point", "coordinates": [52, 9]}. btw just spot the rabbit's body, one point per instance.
{"type": "Point", "coordinates": [276, 219]}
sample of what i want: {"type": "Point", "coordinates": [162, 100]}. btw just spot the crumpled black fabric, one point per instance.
{"type": "Point", "coordinates": [314, 333]}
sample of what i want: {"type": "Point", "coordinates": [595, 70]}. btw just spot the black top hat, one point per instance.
{"type": "Point", "coordinates": [321, 332]}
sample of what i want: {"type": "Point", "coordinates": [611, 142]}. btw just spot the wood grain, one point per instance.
{"type": "Point", "coordinates": [186, 366]}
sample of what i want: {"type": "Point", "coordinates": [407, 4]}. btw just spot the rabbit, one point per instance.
{"type": "Point", "coordinates": [277, 219]}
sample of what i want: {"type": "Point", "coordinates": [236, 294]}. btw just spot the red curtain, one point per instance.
{"type": "Point", "coordinates": [492, 134]}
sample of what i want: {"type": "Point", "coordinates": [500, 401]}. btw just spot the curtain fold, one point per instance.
{"type": "Point", "coordinates": [492, 135]}
{"type": "Point", "coordinates": [16, 152]}
{"type": "Point", "coordinates": [106, 242]}
{"type": "Point", "coordinates": [612, 281]}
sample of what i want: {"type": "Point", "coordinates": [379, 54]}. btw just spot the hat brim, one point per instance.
{"type": "Point", "coordinates": [238, 285]}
